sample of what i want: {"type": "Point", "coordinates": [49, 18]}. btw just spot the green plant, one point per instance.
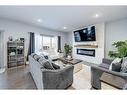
{"type": "Point", "coordinates": [68, 49]}
{"type": "Point", "coordinates": [121, 51]}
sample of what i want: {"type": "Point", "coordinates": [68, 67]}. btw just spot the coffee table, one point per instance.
{"type": "Point", "coordinates": [69, 61]}
{"type": "Point", "coordinates": [109, 81]}
{"type": "Point", "coordinates": [63, 62]}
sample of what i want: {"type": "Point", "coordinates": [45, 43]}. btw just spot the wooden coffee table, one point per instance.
{"type": "Point", "coordinates": [69, 61]}
{"type": "Point", "coordinates": [109, 81]}
{"type": "Point", "coordinates": [75, 62]}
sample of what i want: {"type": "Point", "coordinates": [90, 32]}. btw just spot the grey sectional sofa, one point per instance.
{"type": "Point", "coordinates": [97, 71]}
{"type": "Point", "coordinates": [50, 79]}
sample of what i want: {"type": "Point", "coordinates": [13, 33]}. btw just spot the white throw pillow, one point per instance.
{"type": "Point", "coordinates": [115, 61]}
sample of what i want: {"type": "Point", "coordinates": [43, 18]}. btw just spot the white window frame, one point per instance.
{"type": "Point", "coordinates": [51, 44]}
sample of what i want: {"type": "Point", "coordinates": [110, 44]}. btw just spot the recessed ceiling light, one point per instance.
{"type": "Point", "coordinates": [64, 27]}
{"type": "Point", "coordinates": [96, 16]}
{"type": "Point", "coordinates": [39, 20]}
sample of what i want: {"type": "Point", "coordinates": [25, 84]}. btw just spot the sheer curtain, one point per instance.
{"type": "Point", "coordinates": [2, 52]}
{"type": "Point", "coordinates": [38, 43]}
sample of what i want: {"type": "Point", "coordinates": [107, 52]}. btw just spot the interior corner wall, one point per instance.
{"type": "Point", "coordinates": [18, 30]}
{"type": "Point", "coordinates": [115, 31]}
{"type": "Point", "coordinates": [70, 38]}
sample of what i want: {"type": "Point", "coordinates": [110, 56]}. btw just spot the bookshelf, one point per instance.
{"type": "Point", "coordinates": [15, 54]}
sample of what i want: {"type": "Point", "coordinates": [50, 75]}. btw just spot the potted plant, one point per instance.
{"type": "Point", "coordinates": [68, 50]}
{"type": "Point", "coordinates": [121, 49]}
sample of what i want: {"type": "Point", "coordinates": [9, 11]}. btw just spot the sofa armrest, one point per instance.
{"type": "Point", "coordinates": [107, 61]}
{"type": "Point", "coordinates": [57, 79]}
{"type": "Point", "coordinates": [125, 87]}
{"type": "Point", "coordinates": [120, 74]}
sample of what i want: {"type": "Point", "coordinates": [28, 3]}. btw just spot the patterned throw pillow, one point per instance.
{"type": "Point", "coordinates": [36, 57]}
{"type": "Point", "coordinates": [124, 65]}
{"type": "Point", "coordinates": [46, 63]}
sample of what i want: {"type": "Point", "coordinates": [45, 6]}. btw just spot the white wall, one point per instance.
{"type": "Point", "coordinates": [115, 31]}
{"type": "Point", "coordinates": [99, 52]}
{"type": "Point", "coordinates": [18, 30]}
{"type": "Point", "coordinates": [0, 51]}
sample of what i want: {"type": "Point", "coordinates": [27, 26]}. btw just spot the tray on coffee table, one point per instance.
{"type": "Point", "coordinates": [71, 61]}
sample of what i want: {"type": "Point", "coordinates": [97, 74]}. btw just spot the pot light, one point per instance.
{"type": "Point", "coordinates": [96, 15]}
{"type": "Point", "coordinates": [64, 27]}
{"type": "Point", "coordinates": [39, 20]}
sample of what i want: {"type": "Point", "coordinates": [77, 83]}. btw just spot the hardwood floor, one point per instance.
{"type": "Point", "coordinates": [17, 78]}
{"type": "Point", "coordinates": [20, 78]}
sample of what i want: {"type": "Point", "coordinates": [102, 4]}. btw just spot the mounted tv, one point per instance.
{"type": "Point", "coordinates": [86, 34]}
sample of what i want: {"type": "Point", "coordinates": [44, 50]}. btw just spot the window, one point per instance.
{"type": "Point", "coordinates": [49, 43]}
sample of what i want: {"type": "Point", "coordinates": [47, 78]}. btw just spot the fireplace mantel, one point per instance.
{"type": "Point", "coordinates": [86, 46]}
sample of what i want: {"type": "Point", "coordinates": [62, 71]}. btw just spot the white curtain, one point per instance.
{"type": "Point", "coordinates": [2, 53]}
{"type": "Point", "coordinates": [38, 42]}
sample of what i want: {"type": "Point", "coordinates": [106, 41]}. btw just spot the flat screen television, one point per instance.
{"type": "Point", "coordinates": [86, 34]}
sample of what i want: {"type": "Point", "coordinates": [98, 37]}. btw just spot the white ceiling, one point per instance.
{"type": "Point", "coordinates": [57, 17]}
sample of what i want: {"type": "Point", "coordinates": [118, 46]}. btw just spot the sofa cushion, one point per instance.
{"type": "Point", "coordinates": [115, 65]}
{"type": "Point", "coordinates": [104, 65]}
{"type": "Point", "coordinates": [124, 65]}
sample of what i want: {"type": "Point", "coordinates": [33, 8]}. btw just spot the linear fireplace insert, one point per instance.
{"type": "Point", "coordinates": [87, 52]}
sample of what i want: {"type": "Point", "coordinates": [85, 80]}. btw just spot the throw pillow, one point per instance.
{"type": "Point", "coordinates": [115, 65]}
{"type": "Point", "coordinates": [33, 54]}
{"type": "Point", "coordinates": [55, 66]}
{"type": "Point", "coordinates": [124, 65]}
{"type": "Point", "coordinates": [46, 56]}
{"type": "Point", "coordinates": [46, 64]}
{"type": "Point", "coordinates": [41, 59]}
{"type": "Point", "coordinates": [36, 57]}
